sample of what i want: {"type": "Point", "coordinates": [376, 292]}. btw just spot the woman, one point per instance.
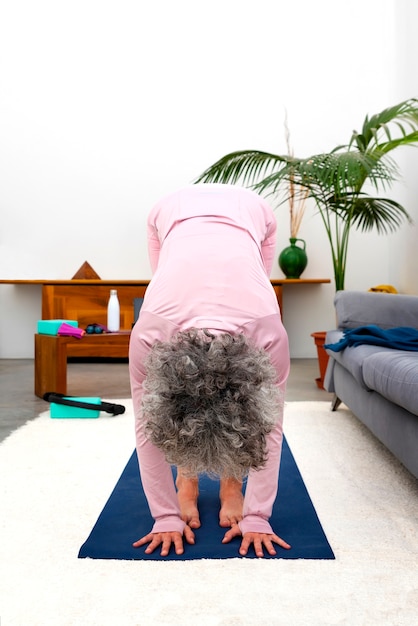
{"type": "Point", "coordinates": [209, 359]}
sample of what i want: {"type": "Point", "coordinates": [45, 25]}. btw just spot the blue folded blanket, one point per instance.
{"type": "Point", "coordinates": [398, 338]}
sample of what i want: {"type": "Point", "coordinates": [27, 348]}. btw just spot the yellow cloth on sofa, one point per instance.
{"type": "Point", "coordinates": [384, 289]}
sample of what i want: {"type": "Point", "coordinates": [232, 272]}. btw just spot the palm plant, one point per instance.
{"type": "Point", "coordinates": [335, 180]}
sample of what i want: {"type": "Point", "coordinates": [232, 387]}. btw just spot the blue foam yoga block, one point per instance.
{"type": "Point", "coordinates": [64, 411]}
{"type": "Point", "coordinates": [50, 327]}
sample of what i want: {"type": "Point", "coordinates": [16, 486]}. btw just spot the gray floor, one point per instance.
{"type": "Point", "coordinates": [18, 403]}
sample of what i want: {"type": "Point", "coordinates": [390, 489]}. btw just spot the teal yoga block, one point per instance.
{"type": "Point", "coordinates": [50, 327]}
{"type": "Point", "coordinates": [64, 411]}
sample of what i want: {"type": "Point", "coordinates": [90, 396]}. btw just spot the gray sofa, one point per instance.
{"type": "Point", "coordinates": [378, 384]}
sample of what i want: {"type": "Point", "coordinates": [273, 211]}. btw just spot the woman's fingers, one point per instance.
{"type": "Point", "coordinates": [261, 542]}
{"type": "Point", "coordinates": [165, 540]}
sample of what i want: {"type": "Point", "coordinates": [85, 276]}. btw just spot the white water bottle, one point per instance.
{"type": "Point", "coordinates": [113, 312]}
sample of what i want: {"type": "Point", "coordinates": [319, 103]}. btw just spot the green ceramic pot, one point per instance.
{"type": "Point", "coordinates": [293, 259]}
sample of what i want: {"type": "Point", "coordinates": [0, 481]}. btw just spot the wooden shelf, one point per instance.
{"type": "Point", "coordinates": [62, 299]}
{"type": "Point", "coordinates": [85, 300]}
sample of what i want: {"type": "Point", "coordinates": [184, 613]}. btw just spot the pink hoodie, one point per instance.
{"type": "Point", "coordinates": [211, 249]}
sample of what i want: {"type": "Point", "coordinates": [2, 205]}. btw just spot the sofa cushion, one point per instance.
{"type": "Point", "coordinates": [387, 310]}
{"type": "Point", "coordinates": [393, 374]}
{"type": "Point", "coordinates": [352, 358]}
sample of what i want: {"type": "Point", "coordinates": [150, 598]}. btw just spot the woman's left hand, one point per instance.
{"type": "Point", "coordinates": [259, 540]}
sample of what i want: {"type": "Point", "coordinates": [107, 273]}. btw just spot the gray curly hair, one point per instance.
{"type": "Point", "coordinates": [209, 401]}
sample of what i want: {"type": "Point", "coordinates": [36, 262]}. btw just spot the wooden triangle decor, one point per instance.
{"type": "Point", "coordinates": [86, 272]}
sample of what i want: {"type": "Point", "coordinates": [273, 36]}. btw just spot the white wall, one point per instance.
{"type": "Point", "coordinates": [105, 107]}
{"type": "Point", "coordinates": [403, 251]}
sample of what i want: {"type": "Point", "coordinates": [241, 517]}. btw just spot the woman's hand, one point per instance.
{"type": "Point", "coordinates": [165, 540]}
{"type": "Point", "coordinates": [259, 540]}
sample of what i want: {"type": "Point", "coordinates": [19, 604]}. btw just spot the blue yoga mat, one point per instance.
{"type": "Point", "coordinates": [125, 518]}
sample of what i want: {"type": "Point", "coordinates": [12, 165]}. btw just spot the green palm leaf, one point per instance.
{"type": "Point", "coordinates": [330, 174]}
{"type": "Point", "coordinates": [244, 166]}
{"type": "Point", "coordinates": [334, 180]}
{"type": "Point", "coordinates": [403, 117]}
{"type": "Point", "coordinates": [381, 213]}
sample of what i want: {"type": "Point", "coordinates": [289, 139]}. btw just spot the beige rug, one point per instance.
{"type": "Point", "coordinates": [56, 475]}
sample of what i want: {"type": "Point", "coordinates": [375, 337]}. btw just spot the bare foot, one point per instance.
{"type": "Point", "coordinates": [188, 493]}
{"type": "Point", "coordinates": [232, 502]}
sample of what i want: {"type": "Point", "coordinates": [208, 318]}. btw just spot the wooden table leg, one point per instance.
{"type": "Point", "coordinates": [50, 364]}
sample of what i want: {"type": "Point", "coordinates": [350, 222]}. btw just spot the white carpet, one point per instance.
{"type": "Point", "coordinates": [56, 475]}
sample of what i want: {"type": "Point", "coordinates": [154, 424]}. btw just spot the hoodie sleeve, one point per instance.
{"type": "Point", "coordinates": [154, 245]}
{"type": "Point", "coordinates": [156, 474]}
{"type": "Point", "coordinates": [261, 489]}
{"type": "Point", "coordinates": [268, 247]}
{"type": "Point", "coordinates": [268, 243]}
{"type": "Point", "coordinates": [262, 485]}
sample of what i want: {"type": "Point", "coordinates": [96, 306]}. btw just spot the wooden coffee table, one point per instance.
{"type": "Point", "coordinates": [52, 352]}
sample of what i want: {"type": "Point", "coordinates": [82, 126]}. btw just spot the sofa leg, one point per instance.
{"type": "Point", "coordinates": [335, 403]}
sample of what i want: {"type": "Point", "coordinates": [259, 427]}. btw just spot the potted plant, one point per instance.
{"type": "Point", "coordinates": [335, 180]}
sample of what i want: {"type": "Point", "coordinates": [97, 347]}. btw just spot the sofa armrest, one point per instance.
{"type": "Point", "coordinates": [360, 308]}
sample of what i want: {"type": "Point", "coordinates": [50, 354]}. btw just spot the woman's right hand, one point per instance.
{"type": "Point", "coordinates": [165, 540]}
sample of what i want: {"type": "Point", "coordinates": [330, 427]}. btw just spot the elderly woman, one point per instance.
{"type": "Point", "coordinates": [209, 361]}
